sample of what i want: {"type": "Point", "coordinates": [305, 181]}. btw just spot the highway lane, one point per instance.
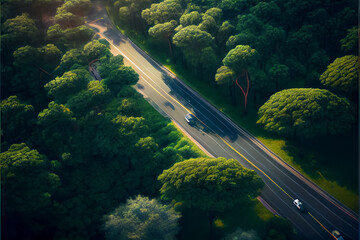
{"type": "Point", "coordinates": [214, 132]}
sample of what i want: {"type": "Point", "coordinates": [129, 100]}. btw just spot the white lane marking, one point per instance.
{"type": "Point", "coordinates": [290, 206]}
{"type": "Point", "coordinates": [249, 137]}
{"type": "Point", "coordinates": [296, 183]}
{"type": "Point", "coordinates": [181, 106]}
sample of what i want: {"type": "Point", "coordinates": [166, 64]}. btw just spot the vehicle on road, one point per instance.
{"type": "Point", "coordinates": [299, 205]}
{"type": "Point", "coordinates": [337, 234]}
{"type": "Point", "coordinates": [190, 119]}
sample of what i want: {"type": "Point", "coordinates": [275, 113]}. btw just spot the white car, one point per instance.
{"type": "Point", "coordinates": [299, 205]}
{"type": "Point", "coordinates": [190, 119]}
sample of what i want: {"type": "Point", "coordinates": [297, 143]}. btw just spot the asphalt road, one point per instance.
{"type": "Point", "coordinates": [220, 137]}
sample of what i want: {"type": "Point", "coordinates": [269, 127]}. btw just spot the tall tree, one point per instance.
{"type": "Point", "coordinates": [17, 119]}
{"type": "Point", "coordinates": [95, 50]}
{"type": "Point", "coordinates": [71, 82]}
{"type": "Point", "coordinates": [192, 38]}
{"type": "Point", "coordinates": [25, 179]}
{"type": "Point", "coordinates": [239, 60]}
{"type": "Point", "coordinates": [71, 58]}
{"type": "Point", "coordinates": [164, 31]}
{"type": "Point", "coordinates": [92, 98]}
{"type": "Point", "coordinates": [27, 188]}
{"type": "Point", "coordinates": [67, 19]}
{"type": "Point", "coordinates": [193, 41]}
{"type": "Point", "coordinates": [209, 184]}
{"type": "Point", "coordinates": [50, 55]}
{"type": "Point", "coordinates": [279, 74]}
{"type": "Point", "coordinates": [162, 12]}
{"type": "Point", "coordinates": [130, 12]}
{"type": "Point", "coordinates": [305, 112]}
{"type": "Point", "coordinates": [142, 218]}
{"type": "Point", "coordinates": [56, 123]}
{"type": "Point", "coordinates": [350, 43]}
{"type": "Point", "coordinates": [18, 31]}
{"type": "Point", "coordinates": [77, 36]}
{"type": "Point", "coordinates": [77, 7]}
{"type": "Point", "coordinates": [343, 75]}
{"type": "Point", "coordinates": [213, 187]}
{"type": "Point", "coordinates": [192, 18]}
{"type": "Point", "coordinates": [120, 77]}
{"type": "Point", "coordinates": [26, 56]}
{"type": "Point", "coordinates": [110, 64]}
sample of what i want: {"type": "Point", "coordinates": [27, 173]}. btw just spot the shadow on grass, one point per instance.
{"type": "Point", "coordinates": [331, 162]}
{"type": "Point", "coordinates": [333, 157]}
{"type": "Point", "coordinates": [195, 222]}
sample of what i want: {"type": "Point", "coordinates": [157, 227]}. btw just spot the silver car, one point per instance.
{"type": "Point", "coordinates": [299, 205]}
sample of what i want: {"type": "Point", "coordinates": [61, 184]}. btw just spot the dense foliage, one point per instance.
{"type": "Point", "coordinates": [208, 184]}
{"type": "Point", "coordinates": [343, 75]}
{"type": "Point", "coordinates": [142, 218]}
{"type": "Point", "coordinates": [306, 112]}
{"type": "Point", "coordinates": [73, 148]}
{"type": "Point", "coordinates": [253, 49]}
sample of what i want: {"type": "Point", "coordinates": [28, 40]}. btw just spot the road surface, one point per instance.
{"type": "Point", "coordinates": [220, 137]}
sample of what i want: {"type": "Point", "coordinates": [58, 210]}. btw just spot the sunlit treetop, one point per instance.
{"type": "Point", "coordinates": [342, 74]}
{"type": "Point", "coordinates": [305, 112]}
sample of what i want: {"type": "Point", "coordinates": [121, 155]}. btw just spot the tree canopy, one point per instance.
{"type": "Point", "coordinates": [20, 30]}
{"type": "Point", "coordinates": [27, 185]}
{"type": "Point", "coordinates": [71, 82]}
{"type": "Point", "coordinates": [120, 77]}
{"type": "Point", "coordinates": [342, 74]}
{"type": "Point", "coordinates": [306, 113]}
{"type": "Point", "coordinates": [142, 218]}
{"type": "Point", "coordinates": [162, 12]}
{"type": "Point", "coordinates": [95, 50]}
{"type": "Point", "coordinates": [17, 119]}
{"type": "Point", "coordinates": [209, 184]}
{"type": "Point", "coordinates": [240, 58]}
{"type": "Point", "coordinates": [349, 44]}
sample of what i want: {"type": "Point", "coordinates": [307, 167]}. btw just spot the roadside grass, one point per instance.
{"type": "Point", "coordinates": [322, 160]}
{"type": "Point", "coordinates": [247, 215]}
{"type": "Point", "coordinates": [347, 196]}
{"type": "Point", "coordinates": [262, 212]}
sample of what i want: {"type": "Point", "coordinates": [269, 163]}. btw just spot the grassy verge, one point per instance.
{"type": "Point", "coordinates": [341, 193]}
{"type": "Point", "coordinates": [321, 161]}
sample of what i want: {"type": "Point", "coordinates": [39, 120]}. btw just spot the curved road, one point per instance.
{"type": "Point", "coordinates": [220, 137]}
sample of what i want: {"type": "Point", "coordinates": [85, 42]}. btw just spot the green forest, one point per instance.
{"type": "Point", "coordinates": [88, 159]}
{"type": "Point", "coordinates": [286, 71]}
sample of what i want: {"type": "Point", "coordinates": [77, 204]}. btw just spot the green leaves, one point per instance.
{"type": "Point", "coordinates": [192, 38]}
{"type": "Point", "coordinates": [95, 50]}
{"type": "Point", "coordinates": [142, 218]}
{"type": "Point", "coordinates": [342, 74]}
{"type": "Point", "coordinates": [27, 186]}
{"type": "Point", "coordinates": [120, 77]}
{"type": "Point", "coordinates": [95, 96]}
{"type": "Point", "coordinates": [224, 75]}
{"type": "Point", "coordinates": [163, 30]}
{"type": "Point", "coordinates": [306, 113]}
{"type": "Point", "coordinates": [192, 18]}
{"type": "Point", "coordinates": [20, 30]}
{"type": "Point", "coordinates": [349, 44]}
{"type": "Point", "coordinates": [61, 88]}
{"type": "Point", "coordinates": [208, 184]}
{"type": "Point", "coordinates": [16, 119]}
{"type": "Point", "coordinates": [162, 12]}
{"type": "Point", "coordinates": [240, 58]}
